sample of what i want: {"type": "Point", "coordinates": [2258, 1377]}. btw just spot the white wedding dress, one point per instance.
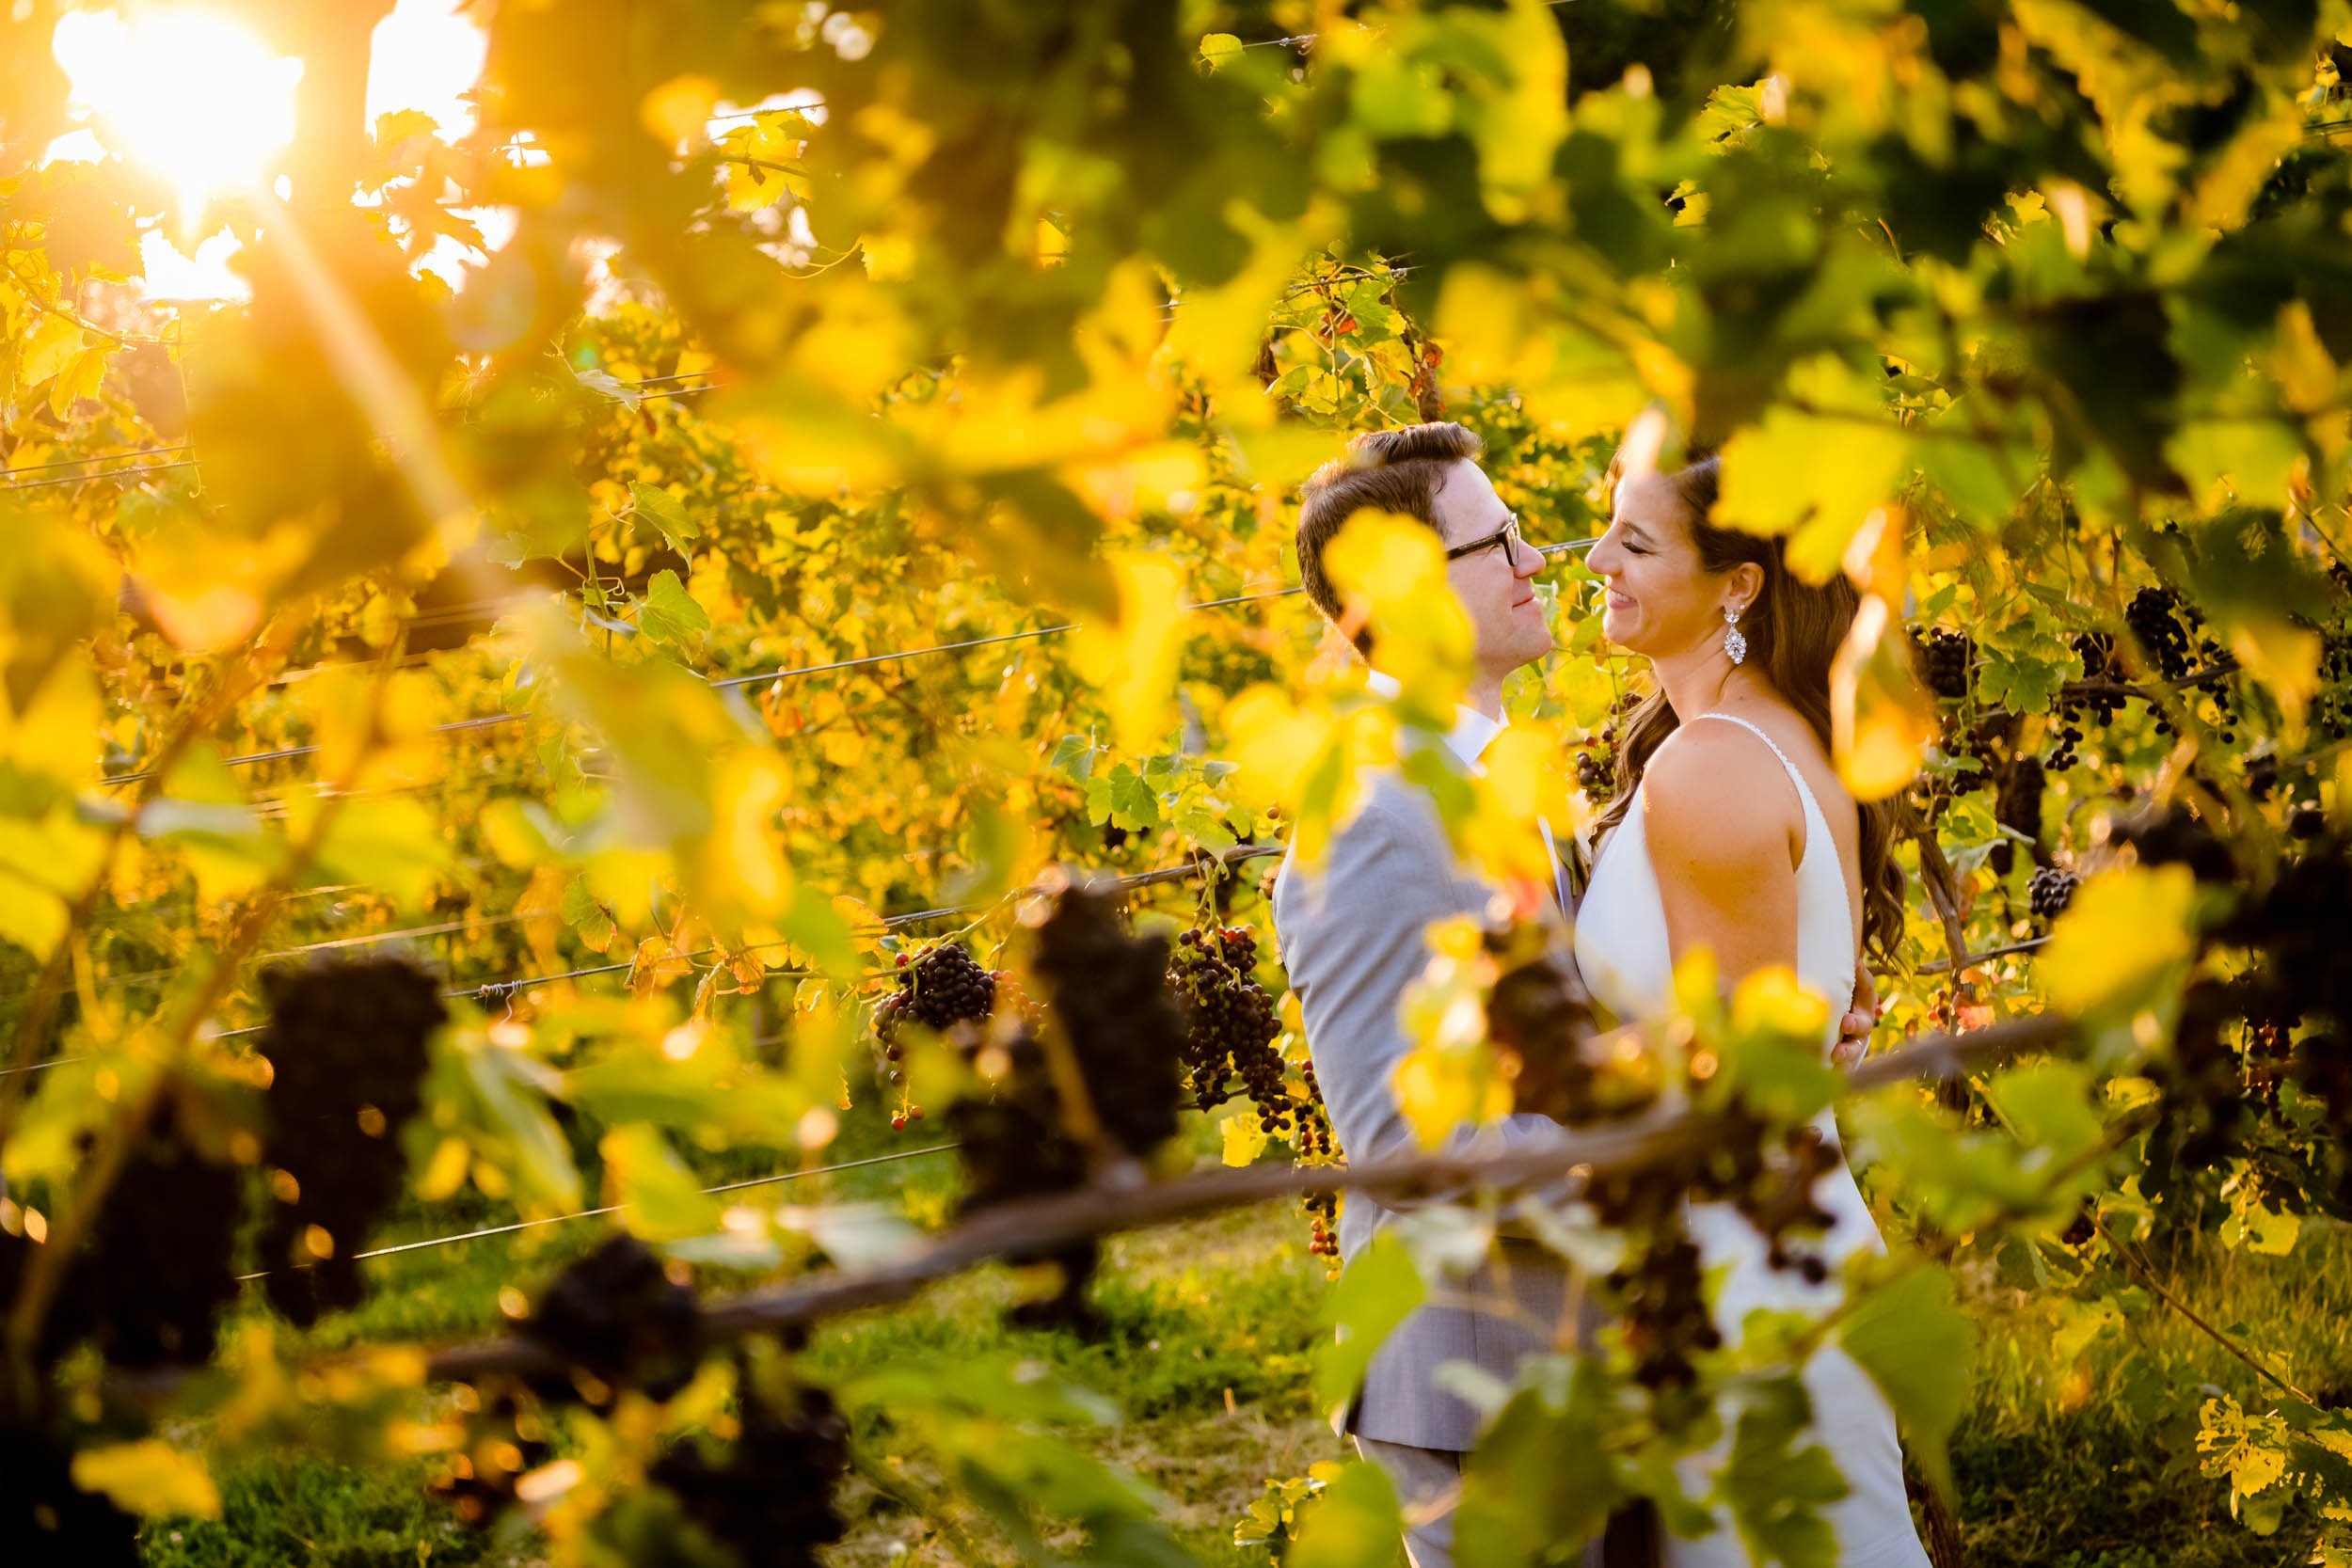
{"type": "Point", "coordinates": [1622, 949]}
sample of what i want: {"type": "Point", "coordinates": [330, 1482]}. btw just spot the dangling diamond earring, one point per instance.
{"type": "Point", "coordinates": [1735, 642]}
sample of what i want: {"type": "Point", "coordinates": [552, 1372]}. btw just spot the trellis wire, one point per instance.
{"type": "Point", "coordinates": [429, 1243]}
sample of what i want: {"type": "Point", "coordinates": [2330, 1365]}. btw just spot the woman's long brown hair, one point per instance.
{"type": "Point", "coordinates": [1793, 630]}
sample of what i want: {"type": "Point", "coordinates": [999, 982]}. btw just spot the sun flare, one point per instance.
{"type": "Point", "coordinates": [194, 96]}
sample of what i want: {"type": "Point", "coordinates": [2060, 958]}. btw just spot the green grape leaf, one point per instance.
{"type": "Point", "coordinates": [1352, 1523]}
{"type": "Point", "coordinates": [657, 506]}
{"type": "Point", "coordinates": [1920, 1349]}
{"type": "Point", "coordinates": [1777, 1480]}
{"type": "Point", "coordinates": [670, 615]}
{"type": "Point", "coordinates": [1380, 1290]}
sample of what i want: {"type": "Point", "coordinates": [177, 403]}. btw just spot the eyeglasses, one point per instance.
{"type": "Point", "coordinates": [1507, 536]}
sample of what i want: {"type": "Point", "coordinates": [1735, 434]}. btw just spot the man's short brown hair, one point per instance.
{"type": "Point", "coordinates": [1386, 470]}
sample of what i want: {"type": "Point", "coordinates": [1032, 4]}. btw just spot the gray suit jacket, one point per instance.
{"type": "Point", "coordinates": [1352, 938]}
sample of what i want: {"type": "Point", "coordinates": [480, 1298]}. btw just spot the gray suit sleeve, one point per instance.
{"type": "Point", "coordinates": [1353, 938]}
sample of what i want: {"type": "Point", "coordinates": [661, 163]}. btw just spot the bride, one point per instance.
{"type": "Point", "coordinates": [1729, 830]}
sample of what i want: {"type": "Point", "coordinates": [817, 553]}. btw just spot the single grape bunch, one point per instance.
{"type": "Point", "coordinates": [1323, 1215]}
{"type": "Point", "coordinates": [346, 1043]}
{"type": "Point", "coordinates": [617, 1318]}
{"type": "Point", "coordinates": [2050, 891]}
{"type": "Point", "coordinates": [1778, 1198]}
{"type": "Point", "coordinates": [1107, 992]}
{"type": "Point", "coordinates": [2154, 619]}
{"type": "Point", "coordinates": [148, 1285]}
{"type": "Point", "coordinates": [1944, 657]}
{"type": "Point", "coordinates": [1539, 1016]}
{"type": "Point", "coordinates": [2177, 836]}
{"type": "Point", "coordinates": [1229, 1022]}
{"type": "Point", "coordinates": [1663, 1312]}
{"type": "Point", "coordinates": [770, 1497]}
{"type": "Point", "coordinates": [2102, 673]}
{"type": "Point", "coordinates": [939, 989]}
{"type": "Point", "coordinates": [1313, 1138]}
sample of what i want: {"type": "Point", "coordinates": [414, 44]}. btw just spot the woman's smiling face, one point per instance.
{"type": "Point", "coordinates": [1659, 600]}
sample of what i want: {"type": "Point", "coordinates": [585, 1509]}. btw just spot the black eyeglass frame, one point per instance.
{"type": "Point", "coordinates": [1508, 531]}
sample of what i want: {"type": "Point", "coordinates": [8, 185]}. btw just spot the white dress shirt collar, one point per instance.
{"type": "Point", "coordinates": [1473, 732]}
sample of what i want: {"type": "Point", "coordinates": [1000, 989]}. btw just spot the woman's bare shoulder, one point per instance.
{"type": "Point", "coordinates": [1708, 789]}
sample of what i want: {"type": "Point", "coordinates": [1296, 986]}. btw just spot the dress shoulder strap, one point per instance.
{"type": "Point", "coordinates": [1804, 791]}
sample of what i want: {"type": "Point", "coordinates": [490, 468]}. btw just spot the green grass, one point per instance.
{"type": "Point", "coordinates": [2082, 1462]}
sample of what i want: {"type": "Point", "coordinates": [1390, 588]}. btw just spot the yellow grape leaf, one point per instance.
{"type": "Point", "coordinates": [51, 346]}
{"type": "Point", "coordinates": [32, 918]}
{"type": "Point", "coordinates": [1132, 661]}
{"type": "Point", "coordinates": [659, 1198]}
{"type": "Point", "coordinates": [1482, 322]}
{"type": "Point", "coordinates": [1816, 477]}
{"type": "Point", "coordinates": [675, 111]}
{"type": "Point", "coordinates": [446, 1171]}
{"type": "Point", "coordinates": [1518, 131]}
{"type": "Point", "coordinates": [743, 863]}
{"type": "Point", "coordinates": [81, 378]}
{"type": "Point", "coordinates": [654, 965]}
{"type": "Point", "coordinates": [148, 1477]}
{"type": "Point", "coordinates": [2252, 1469]}
{"type": "Point", "coordinates": [1243, 1139]}
{"type": "Point", "coordinates": [56, 736]}
{"type": "Point", "coordinates": [1390, 574]}
{"type": "Point", "coordinates": [2123, 931]}
{"type": "Point", "coordinates": [2283, 656]}
{"type": "Point", "coordinates": [1218, 50]}
{"type": "Point", "coordinates": [1881, 721]}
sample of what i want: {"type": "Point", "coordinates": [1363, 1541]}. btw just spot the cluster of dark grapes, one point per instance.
{"type": "Point", "coordinates": [1229, 1022]}
{"type": "Point", "coordinates": [346, 1044]}
{"type": "Point", "coordinates": [2050, 891]}
{"type": "Point", "coordinates": [2076, 706]}
{"type": "Point", "coordinates": [155, 1270]}
{"type": "Point", "coordinates": [2154, 618]}
{"type": "Point", "coordinates": [617, 1318]}
{"type": "Point", "coordinates": [769, 1499]}
{"type": "Point", "coordinates": [2234, 1043]}
{"type": "Point", "coordinates": [938, 988]}
{"type": "Point", "coordinates": [1596, 762]}
{"type": "Point", "coordinates": [1540, 1019]}
{"type": "Point", "coordinates": [1107, 994]}
{"type": "Point", "coordinates": [1663, 1310]}
{"type": "Point", "coordinates": [1315, 1146]}
{"type": "Point", "coordinates": [1597, 768]}
{"type": "Point", "coordinates": [48, 1522]}
{"type": "Point", "coordinates": [1944, 657]}
{"type": "Point", "coordinates": [1772, 1184]}
{"type": "Point", "coordinates": [1107, 989]}
{"type": "Point", "coordinates": [1539, 1016]}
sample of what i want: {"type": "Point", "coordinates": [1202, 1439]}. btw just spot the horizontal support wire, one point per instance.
{"type": "Point", "coordinates": [430, 1242]}
{"type": "Point", "coordinates": [94, 458]}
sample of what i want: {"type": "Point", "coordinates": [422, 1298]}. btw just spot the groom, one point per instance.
{"type": "Point", "coordinates": [1353, 937]}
